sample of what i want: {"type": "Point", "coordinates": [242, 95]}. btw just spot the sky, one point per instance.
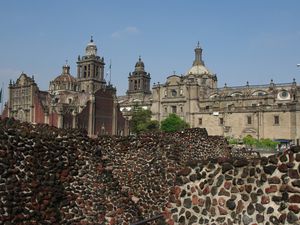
{"type": "Point", "coordinates": [253, 41]}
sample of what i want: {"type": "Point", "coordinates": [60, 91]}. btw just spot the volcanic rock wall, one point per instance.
{"type": "Point", "coordinates": [146, 166]}
{"type": "Point", "coordinates": [237, 191]}
{"type": "Point", "coordinates": [56, 176]}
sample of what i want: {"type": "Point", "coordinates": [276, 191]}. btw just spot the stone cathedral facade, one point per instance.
{"type": "Point", "coordinates": [86, 101]}
{"type": "Point", "coordinates": [262, 111]}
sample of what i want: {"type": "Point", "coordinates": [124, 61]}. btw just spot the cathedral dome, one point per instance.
{"type": "Point", "coordinates": [139, 66]}
{"type": "Point", "coordinates": [65, 78]}
{"type": "Point", "coordinates": [198, 70]}
{"type": "Point", "coordinates": [198, 67]}
{"type": "Point", "coordinates": [65, 81]}
{"type": "Point", "coordinates": [140, 63]}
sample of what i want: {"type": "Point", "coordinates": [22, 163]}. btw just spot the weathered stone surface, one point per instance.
{"type": "Point", "coordinates": [248, 188]}
{"type": "Point", "coordinates": [250, 209]}
{"type": "Point", "coordinates": [294, 198]}
{"type": "Point", "coordinates": [283, 168]}
{"type": "Point", "coordinates": [271, 189]}
{"type": "Point", "coordinates": [247, 220]}
{"type": "Point", "coordinates": [292, 217]}
{"type": "Point", "coordinates": [293, 174]}
{"type": "Point", "coordinates": [230, 204]}
{"type": "Point", "coordinates": [269, 169]}
{"type": "Point", "coordinates": [282, 218]}
{"type": "Point", "coordinates": [296, 183]}
{"type": "Point", "coordinates": [283, 158]}
{"type": "Point", "coordinates": [185, 171]}
{"type": "Point", "coordinates": [226, 167]}
{"type": "Point", "coordinates": [260, 218]}
{"type": "Point", "coordinates": [240, 207]}
{"type": "Point", "coordinates": [274, 220]}
{"type": "Point", "coordinates": [223, 192]}
{"type": "Point", "coordinates": [220, 180]}
{"type": "Point", "coordinates": [115, 180]}
{"type": "Point", "coordinates": [187, 203]}
{"type": "Point", "coordinates": [264, 161]}
{"type": "Point", "coordinates": [260, 208]}
{"type": "Point", "coordinates": [214, 190]}
{"type": "Point", "coordinates": [274, 180]}
{"type": "Point", "coordinates": [270, 210]}
{"type": "Point", "coordinates": [245, 197]}
{"type": "Point", "coordinates": [294, 208]}
{"type": "Point", "coordinates": [273, 159]}
{"type": "Point", "coordinates": [240, 162]}
{"type": "Point", "coordinates": [253, 197]}
{"type": "Point", "coordinates": [222, 210]}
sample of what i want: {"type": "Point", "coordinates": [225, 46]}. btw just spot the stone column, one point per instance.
{"type": "Point", "coordinates": [92, 69]}
{"type": "Point", "coordinates": [91, 116]}
{"type": "Point", "coordinates": [114, 117]}
{"type": "Point", "coordinates": [46, 118]}
{"type": "Point", "coordinates": [59, 120]}
{"type": "Point", "coordinates": [78, 71]}
{"type": "Point", "coordinates": [74, 120]}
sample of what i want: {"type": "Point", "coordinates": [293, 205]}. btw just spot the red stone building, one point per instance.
{"type": "Point", "coordinates": [86, 102]}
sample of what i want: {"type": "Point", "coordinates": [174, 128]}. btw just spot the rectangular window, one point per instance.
{"type": "Point", "coordinates": [200, 121]}
{"type": "Point", "coordinates": [221, 121]}
{"type": "Point", "coordinates": [276, 120]}
{"type": "Point", "coordinates": [166, 109]}
{"type": "Point", "coordinates": [249, 120]}
{"type": "Point", "coordinates": [181, 109]}
{"type": "Point", "coordinates": [174, 109]}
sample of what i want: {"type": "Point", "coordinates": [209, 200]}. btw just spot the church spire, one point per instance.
{"type": "Point", "coordinates": [198, 56]}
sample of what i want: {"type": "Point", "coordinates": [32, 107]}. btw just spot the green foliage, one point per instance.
{"type": "Point", "coordinates": [249, 140]}
{"type": "Point", "coordinates": [232, 141]}
{"type": "Point", "coordinates": [141, 121]}
{"type": "Point", "coordinates": [262, 143]}
{"type": "Point", "coordinates": [173, 123]}
{"type": "Point", "coordinates": [267, 143]}
{"type": "Point", "coordinates": [152, 125]}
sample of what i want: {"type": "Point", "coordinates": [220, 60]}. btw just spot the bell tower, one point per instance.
{"type": "Point", "coordinates": [90, 69]}
{"type": "Point", "coordinates": [139, 80]}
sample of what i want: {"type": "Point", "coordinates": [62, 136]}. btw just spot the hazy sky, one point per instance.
{"type": "Point", "coordinates": [242, 41]}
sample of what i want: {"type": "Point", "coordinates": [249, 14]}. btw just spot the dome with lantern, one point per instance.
{"type": "Point", "coordinates": [139, 66]}
{"type": "Point", "coordinates": [198, 67]}
{"type": "Point", "coordinates": [64, 82]}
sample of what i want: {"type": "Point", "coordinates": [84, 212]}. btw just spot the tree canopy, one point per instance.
{"type": "Point", "coordinates": [173, 123]}
{"type": "Point", "coordinates": [141, 121]}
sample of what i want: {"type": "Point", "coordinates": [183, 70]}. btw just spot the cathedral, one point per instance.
{"type": "Point", "coordinates": [86, 102]}
{"type": "Point", "coordinates": [262, 111]}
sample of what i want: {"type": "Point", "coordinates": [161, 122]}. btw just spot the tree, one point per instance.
{"type": "Point", "coordinates": [141, 121]}
{"type": "Point", "coordinates": [173, 123]}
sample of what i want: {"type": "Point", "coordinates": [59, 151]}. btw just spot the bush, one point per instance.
{"type": "Point", "coordinates": [173, 123]}
{"type": "Point", "coordinates": [262, 143]}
